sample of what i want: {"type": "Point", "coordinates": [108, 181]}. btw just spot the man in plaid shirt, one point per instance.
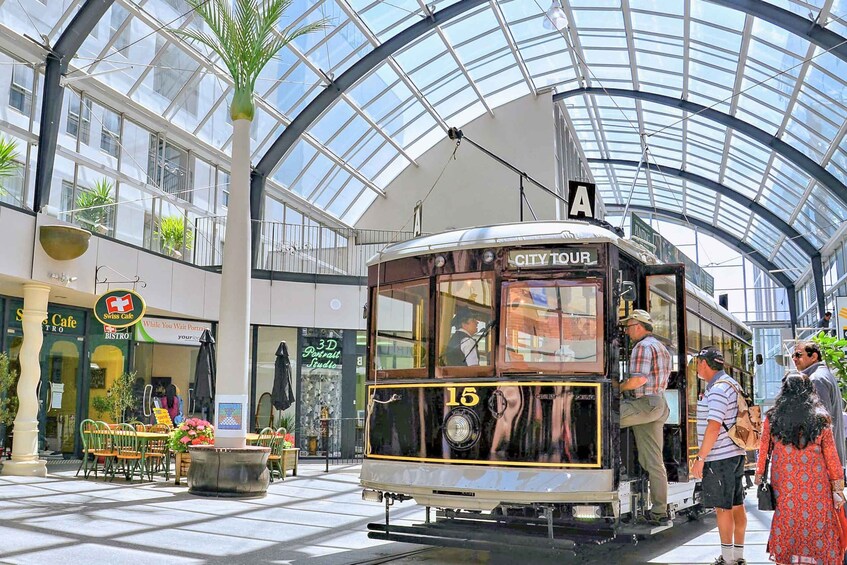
{"type": "Point", "coordinates": [644, 408]}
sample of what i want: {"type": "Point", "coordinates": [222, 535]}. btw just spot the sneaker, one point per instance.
{"type": "Point", "coordinates": [720, 561]}
{"type": "Point", "coordinates": [658, 519]}
{"type": "Point", "coordinates": [740, 561]}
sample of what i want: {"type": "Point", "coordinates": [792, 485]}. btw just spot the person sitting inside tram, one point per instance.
{"type": "Point", "coordinates": [644, 408]}
{"type": "Point", "coordinates": [463, 348]}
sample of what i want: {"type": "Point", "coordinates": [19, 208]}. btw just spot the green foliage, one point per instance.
{"type": "Point", "coordinates": [9, 164]}
{"type": "Point", "coordinates": [120, 397]}
{"type": "Point", "coordinates": [286, 421]}
{"type": "Point", "coordinates": [101, 405]}
{"type": "Point", "coordinates": [245, 36]}
{"type": "Point", "coordinates": [833, 351]}
{"type": "Point", "coordinates": [95, 206]}
{"type": "Point", "coordinates": [173, 234]}
{"type": "Point", "coordinates": [8, 398]}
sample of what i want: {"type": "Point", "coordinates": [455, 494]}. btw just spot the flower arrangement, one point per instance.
{"type": "Point", "coordinates": [288, 441]}
{"type": "Point", "coordinates": [193, 431]}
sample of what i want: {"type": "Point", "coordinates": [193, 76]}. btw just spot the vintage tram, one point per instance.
{"type": "Point", "coordinates": [521, 427]}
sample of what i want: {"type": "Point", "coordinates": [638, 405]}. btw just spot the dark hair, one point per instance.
{"type": "Point", "coordinates": [827, 313]}
{"type": "Point", "coordinates": [170, 392]}
{"type": "Point", "coordinates": [811, 347]}
{"type": "Point", "coordinates": [797, 417]}
{"type": "Point", "coordinates": [462, 316]}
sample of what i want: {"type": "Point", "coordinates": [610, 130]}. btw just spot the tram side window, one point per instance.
{"type": "Point", "coordinates": [402, 327]}
{"type": "Point", "coordinates": [465, 317]}
{"type": "Point", "coordinates": [661, 296]}
{"type": "Point", "coordinates": [546, 324]}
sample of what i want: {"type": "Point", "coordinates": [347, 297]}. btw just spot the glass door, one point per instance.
{"type": "Point", "coordinates": [59, 393]}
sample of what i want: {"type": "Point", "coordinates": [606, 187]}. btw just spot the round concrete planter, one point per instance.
{"type": "Point", "coordinates": [63, 243]}
{"type": "Point", "coordinates": [228, 472]}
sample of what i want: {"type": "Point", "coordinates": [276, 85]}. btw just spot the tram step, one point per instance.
{"type": "Point", "coordinates": [642, 529]}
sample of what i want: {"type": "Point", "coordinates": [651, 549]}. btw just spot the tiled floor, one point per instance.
{"type": "Point", "coordinates": [316, 517]}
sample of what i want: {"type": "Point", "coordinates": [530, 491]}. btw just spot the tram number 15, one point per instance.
{"type": "Point", "coordinates": [469, 397]}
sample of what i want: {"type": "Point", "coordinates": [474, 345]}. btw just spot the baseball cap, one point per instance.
{"type": "Point", "coordinates": [639, 316]}
{"type": "Point", "coordinates": [710, 354]}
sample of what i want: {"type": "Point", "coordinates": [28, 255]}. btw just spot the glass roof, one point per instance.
{"type": "Point", "coordinates": [496, 52]}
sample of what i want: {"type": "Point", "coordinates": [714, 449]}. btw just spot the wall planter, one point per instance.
{"type": "Point", "coordinates": [63, 243]}
{"type": "Point", "coordinates": [290, 457]}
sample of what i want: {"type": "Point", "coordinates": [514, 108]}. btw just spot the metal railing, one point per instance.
{"type": "Point", "coordinates": [345, 443]}
{"type": "Point", "coordinates": [295, 248]}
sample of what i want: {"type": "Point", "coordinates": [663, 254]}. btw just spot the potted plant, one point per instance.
{"type": "Point", "coordinates": [193, 431]}
{"type": "Point", "coordinates": [174, 236]}
{"type": "Point", "coordinates": [9, 164]}
{"type": "Point", "coordinates": [8, 398]}
{"type": "Point", "coordinates": [101, 405]}
{"type": "Point", "coordinates": [95, 207]}
{"type": "Point", "coordinates": [121, 396]}
{"type": "Point", "coordinates": [832, 350]}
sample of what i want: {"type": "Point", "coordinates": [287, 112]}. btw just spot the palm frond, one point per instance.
{"type": "Point", "coordinates": [8, 157]}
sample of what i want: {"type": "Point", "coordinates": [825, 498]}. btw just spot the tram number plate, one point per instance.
{"type": "Point", "coordinates": [468, 396]}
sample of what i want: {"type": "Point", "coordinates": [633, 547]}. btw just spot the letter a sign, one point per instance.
{"type": "Point", "coordinates": [581, 200]}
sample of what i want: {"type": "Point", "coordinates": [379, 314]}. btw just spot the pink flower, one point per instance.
{"type": "Point", "coordinates": [185, 439]}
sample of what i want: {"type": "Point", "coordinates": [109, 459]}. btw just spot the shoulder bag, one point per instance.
{"type": "Point", "coordinates": [767, 500]}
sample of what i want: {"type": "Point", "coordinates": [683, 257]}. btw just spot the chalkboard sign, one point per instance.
{"type": "Point", "coordinates": [321, 353]}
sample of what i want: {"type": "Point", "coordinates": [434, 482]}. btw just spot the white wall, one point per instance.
{"type": "Point", "coordinates": [475, 189]}
{"type": "Point", "coordinates": [172, 288]}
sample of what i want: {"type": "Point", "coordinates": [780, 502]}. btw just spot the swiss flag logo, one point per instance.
{"type": "Point", "coordinates": [119, 304]}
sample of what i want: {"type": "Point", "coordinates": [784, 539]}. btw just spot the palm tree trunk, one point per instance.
{"type": "Point", "coordinates": [233, 335]}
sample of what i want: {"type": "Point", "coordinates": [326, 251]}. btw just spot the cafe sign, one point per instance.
{"type": "Point", "coordinates": [321, 353]}
{"type": "Point", "coordinates": [119, 308]}
{"type": "Point", "coordinates": [545, 258]}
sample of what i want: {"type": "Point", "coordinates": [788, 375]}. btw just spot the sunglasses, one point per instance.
{"type": "Point", "coordinates": [798, 354]}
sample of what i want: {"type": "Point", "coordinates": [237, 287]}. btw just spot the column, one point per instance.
{"type": "Point", "coordinates": [25, 461]}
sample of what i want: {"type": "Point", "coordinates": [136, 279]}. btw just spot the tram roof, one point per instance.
{"type": "Point", "coordinates": [502, 235]}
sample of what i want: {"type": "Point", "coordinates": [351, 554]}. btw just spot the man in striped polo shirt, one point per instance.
{"type": "Point", "coordinates": [644, 408]}
{"type": "Point", "coordinates": [720, 462]}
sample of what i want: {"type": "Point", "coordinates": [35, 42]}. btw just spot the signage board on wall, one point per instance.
{"type": "Point", "coordinates": [841, 316]}
{"type": "Point", "coordinates": [58, 321]}
{"type": "Point", "coordinates": [320, 352]}
{"type": "Point", "coordinates": [170, 331]}
{"type": "Point", "coordinates": [119, 308]}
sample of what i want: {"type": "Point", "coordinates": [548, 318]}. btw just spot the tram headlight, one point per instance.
{"type": "Point", "coordinates": [461, 428]}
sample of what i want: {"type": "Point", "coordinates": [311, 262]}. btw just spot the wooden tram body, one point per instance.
{"type": "Point", "coordinates": [530, 433]}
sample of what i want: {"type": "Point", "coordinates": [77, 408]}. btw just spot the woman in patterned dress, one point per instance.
{"type": "Point", "coordinates": [806, 476]}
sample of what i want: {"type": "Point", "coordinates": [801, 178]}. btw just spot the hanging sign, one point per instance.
{"type": "Point", "coordinates": [320, 353]}
{"type": "Point", "coordinates": [582, 200]}
{"type": "Point", "coordinates": [119, 308]}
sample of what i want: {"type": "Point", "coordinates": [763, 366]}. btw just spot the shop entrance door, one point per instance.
{"type": "Point", "coordinates": [59, 394]}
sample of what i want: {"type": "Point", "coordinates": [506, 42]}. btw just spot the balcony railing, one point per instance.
{"type": "Point", "coordinates": [297, 248]}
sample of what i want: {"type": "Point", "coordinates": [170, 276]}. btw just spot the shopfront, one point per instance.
{"type": "Point", "coordinates": [165, 353]}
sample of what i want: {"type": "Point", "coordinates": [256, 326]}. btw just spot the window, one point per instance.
{"type": "Point", "coordinates": [20, 92]}
{"type": "Point", "coordinates": [110, 133]}
{"type": "Point", "coordinates": [465, 319]}
{"type": "Point", "coordinates": [117, 18]}
{"type": "Point", "coordinates": [552, 325]}
{"type": "Point", "coordinates": [402, 330]}
{"type": "Point", "coordinates": [79, 117]}
{"type": "Point", "coordinates": [67, 198]}
{"type": "Point", "coordinates": [171, 74]}
{"type": "Point", "coordinates": [167, 168]}
{"type": "Point", "coordinates": [223, 183]}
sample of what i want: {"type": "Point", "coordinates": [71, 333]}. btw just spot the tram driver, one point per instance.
{"type": "Point", "coordinates": [644, 408]}
{"type": "Point", "coordinates": [463, 347]}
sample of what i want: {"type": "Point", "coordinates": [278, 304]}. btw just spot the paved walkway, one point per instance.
{"type": "Point", "coordinates": [316, 517]}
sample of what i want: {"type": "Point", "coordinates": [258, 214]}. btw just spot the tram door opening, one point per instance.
{"type": "Point", "coordinates": [663, 296]}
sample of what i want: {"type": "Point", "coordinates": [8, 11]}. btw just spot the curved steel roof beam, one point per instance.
{"type": "Point", "coordinates": [731, 241]}
{"type": "Point", "coordinates": [762, 212]}
{"type": "Point", "coordinates": [801, 161]}
{"type": "Point", "coordinates": [52, 95]}
{"type": "Point", "coordinates": [811, 31]}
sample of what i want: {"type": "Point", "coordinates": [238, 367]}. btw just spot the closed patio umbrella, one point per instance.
{"type": "Point", "coordinates": [282, 394]}
{"type": "Point", "coordinates": [204, 375]}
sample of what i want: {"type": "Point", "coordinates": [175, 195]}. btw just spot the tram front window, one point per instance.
{"type": "Point", "coordinates": [465, 322]}
{"type": "Point", "coordinates": [402, 329]}
{"type": "Point", "coordinates": [552, 326]}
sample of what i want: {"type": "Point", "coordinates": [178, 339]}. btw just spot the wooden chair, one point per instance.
{"type": "Point", "coordinates": [89, 443]}
{"type": "Point", "coordinates": [268, 438]}
{"type": "Point", "coordinates": [126, 445]}
{"type": "Point", "coordinates": [275, 458]}
{"type": "Point", "coordinates": [158, 456]}
{"type": "Point", "coordinates": [264, 412]}
{"type": "Point", "coordinates": [139, 427]}
{"type": "Point", "coordinates": [104, 447]}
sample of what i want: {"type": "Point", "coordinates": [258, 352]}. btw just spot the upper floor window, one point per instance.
{"type": "Point", "coordinates": [20, 91]}
{"type": "Point", "coordinates": [168, 168]}
{"type": "Point", "coordinates": [79, 117]}
{"type": "Point", "coordinates": [110, 133]}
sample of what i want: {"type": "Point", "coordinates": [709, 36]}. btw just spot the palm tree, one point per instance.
{"type": "Point", "coordinates": [95, 206]}
{"type": "Point", "coordinates": [244, 34]}
{"type": "Point", "coordinates": [8, 159]}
